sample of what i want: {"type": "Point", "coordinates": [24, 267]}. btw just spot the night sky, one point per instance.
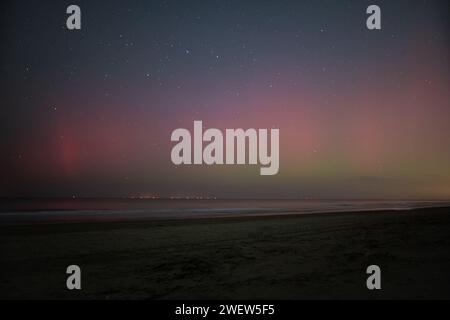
{"type": "Point", "coordinates": [362, 114]}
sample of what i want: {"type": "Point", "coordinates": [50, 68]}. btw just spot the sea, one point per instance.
{"type": "Point", "coordinates": [78, 210]}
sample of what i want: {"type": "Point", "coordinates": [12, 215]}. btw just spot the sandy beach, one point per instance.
{"type": "Point", "coordinates": [314, 256]}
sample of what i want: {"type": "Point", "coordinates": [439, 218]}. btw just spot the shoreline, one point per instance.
{"type": "Point", "coordinates": [131, 216]}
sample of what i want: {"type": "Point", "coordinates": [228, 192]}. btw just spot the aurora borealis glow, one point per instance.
{"type": "Point", "coordinates": [362, 114]}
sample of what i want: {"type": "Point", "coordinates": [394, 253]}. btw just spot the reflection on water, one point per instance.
{"type": "Point", "coordinates": [96, 210]}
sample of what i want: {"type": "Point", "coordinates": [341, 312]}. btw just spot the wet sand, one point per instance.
{"type": "Point", "coordinates": [316, 256]}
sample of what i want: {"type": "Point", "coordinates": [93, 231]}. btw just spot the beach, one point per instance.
{"type": "Point", "coordinates": [290, 256]}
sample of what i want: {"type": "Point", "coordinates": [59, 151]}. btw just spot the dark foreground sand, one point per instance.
{"type": "Point", "coordinates": [291, 257]}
